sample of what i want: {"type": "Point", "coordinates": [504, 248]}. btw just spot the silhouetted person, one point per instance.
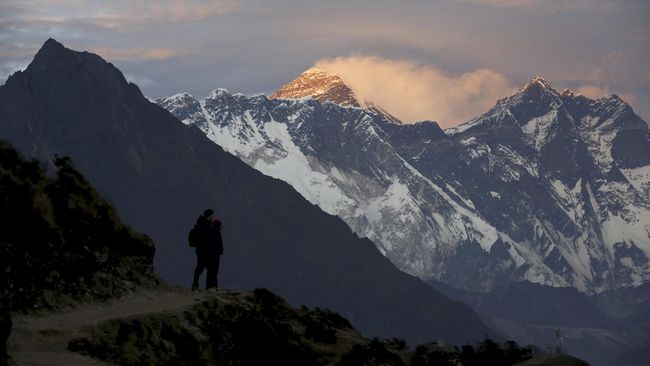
{"type": "Point", "coordinates": [209, 249]}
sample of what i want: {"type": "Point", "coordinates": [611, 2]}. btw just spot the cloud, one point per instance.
{"type": "Point", "coordinates": [545, 7]}
{"type": "Point", "coordinates": [117, 13]}
{"type": "Point", "coordinates": [592, 91]}
{"type": "Point", "coordinates": [413, 92]}
{"type": "Point", "coordinates": [184, 10]}
{"type": "Point", "coordinates": [136, 53]}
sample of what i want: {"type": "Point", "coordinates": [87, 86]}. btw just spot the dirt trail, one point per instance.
{"type": "Point", "coordinates": [43, 339]}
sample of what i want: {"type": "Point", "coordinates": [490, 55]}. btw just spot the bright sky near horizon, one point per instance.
{"type": "Point", "coordinates": [446, 60]}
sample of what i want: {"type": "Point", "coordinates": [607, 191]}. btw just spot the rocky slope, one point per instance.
{"type": "Point", "coordinates": [61, 242]}
{"type": "Point", "coordinates": [60, 236]}
{"type": "Point", "coordinates": [221, 329]}
{"type": "Point", "coordinates": [171, 326]}
{"type": "Point", "coordinates": [548, 187]}
{"type": "Point", "coordinates": [161, 175]}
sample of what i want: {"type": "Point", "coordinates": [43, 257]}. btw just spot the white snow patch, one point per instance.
{"type": "Point", "coordinates": [468, 141]}
{"type": "Point", "coordinates": [634, 229]}
{"type": "Point", "coordinates": [537, 129]}
{"type": "Point", "coordinates": [295, 169]}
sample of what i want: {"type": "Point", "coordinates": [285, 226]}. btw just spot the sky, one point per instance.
{"type": "Point", "coordinates": [444, 60]}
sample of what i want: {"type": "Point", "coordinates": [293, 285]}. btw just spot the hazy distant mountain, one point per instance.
{"type": "Point", "coordinates": [548, 187]}
{"type": "Point", "coordinates": [160, 175]}
{"type": "Point", "coordinates": [594, 328]}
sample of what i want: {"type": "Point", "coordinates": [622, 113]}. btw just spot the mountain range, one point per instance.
{"type": "Point", "coordinates": [547, 186]}
{"type": "Point", "coordinates": [160, 175]}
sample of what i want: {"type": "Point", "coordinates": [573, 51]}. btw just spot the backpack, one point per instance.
{"type": "Point", "coordinates": [194, 238]}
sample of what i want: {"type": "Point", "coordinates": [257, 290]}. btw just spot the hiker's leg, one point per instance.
{"type": "Point", "coordinates": [211, 277]}
{"type": "Point", "coordinates": [216, 271]}
{"type": "Point", "coordinates": [198, 270]}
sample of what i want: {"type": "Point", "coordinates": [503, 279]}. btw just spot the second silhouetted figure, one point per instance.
{"type": "Point", "coordinates": [206, 237]}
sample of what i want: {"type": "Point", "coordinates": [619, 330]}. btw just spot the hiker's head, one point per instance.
{"type": "Point", "coordinates": [210, 215]}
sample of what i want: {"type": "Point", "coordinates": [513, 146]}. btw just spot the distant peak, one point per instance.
{"type": "Point", "coordinates": [51, 49]}
{"type": "Point", "coordinates": [315, 70]}
{"type": "Point", "coordinates": [613, 99]}
{"type": "Point", "coordinates": [180, 96]}
{"type": "Point", "coordinates": [567, 93]}
{"type": "Point", "coordinates": [321, 85]}
{"type": "Point", "coordinates": [538, 81]}
{"type": "Point", "coordinates": [537, 88]}
{"type": "Point", "coordinates": [51, 42]}
{"type": "Point", "coordinates": [217, 93]}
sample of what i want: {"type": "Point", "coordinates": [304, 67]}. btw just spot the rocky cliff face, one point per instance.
{"type": "Point", "coordinates": [548, 187]}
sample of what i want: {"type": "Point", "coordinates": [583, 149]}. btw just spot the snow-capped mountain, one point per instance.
{"type": "Point", "coordinates": [569, 176]}
{"type": "Point", "coordinates": [320, 85]}
{"type": "Point", "coordinates": [327, 87]}
{"type": "Point", "coordinates": [547, 187]}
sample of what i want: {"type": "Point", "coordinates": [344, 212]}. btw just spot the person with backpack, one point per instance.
{"type": "Point", "coordinates": [205, 236]}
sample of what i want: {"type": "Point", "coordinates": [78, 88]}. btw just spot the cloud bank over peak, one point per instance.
{"type": "Point", "coordinates": [412, 91]}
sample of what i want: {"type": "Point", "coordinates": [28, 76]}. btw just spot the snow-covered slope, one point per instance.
{"type": "Point", "coordinates": [534, 189]}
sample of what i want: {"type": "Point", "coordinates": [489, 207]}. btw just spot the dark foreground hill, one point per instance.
{"type": "Point", "coordinates": [160, 175]}
{"type": "Point", "coordinates": [554, 360]}
{"type": "Point", "coordinates": [61, 242]}
{"type": "Point", "coordinates": [60, 237]}
{"type": "Point", "coordinates": [172, 326]}
{"type": "Point", "coordinates": [259, 328]}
